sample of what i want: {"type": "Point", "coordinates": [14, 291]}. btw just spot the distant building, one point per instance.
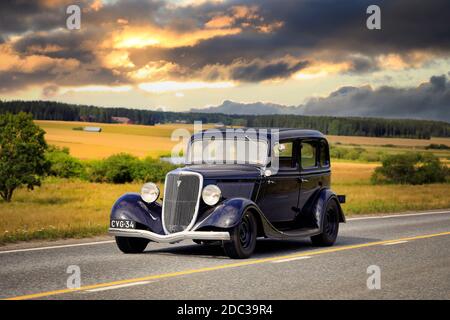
{"type": "Point", "coordinates": [123, 120]}
{"type": "Point", "coordinates": [92, 129]}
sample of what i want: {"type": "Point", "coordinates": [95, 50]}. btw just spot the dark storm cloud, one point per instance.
{"type": "Point", "coordinates": [337, 28]}
{"type": "Point", "coordinates": [20, 16]}
{"type": "Point", "coordinates": [84, 75]}
{"type": "Point", "coordinates": [362, 64]}
{"type": "Point", "coordinates": [406, 24]}
{"type": "Point", "coordinates": [63, 44]}
{"type": "Point", "coordinates": [258, 71]}
{"type": "Point", "coordinates": [430, 100]}
{"type": "Point", "coordinates": [334, 31]}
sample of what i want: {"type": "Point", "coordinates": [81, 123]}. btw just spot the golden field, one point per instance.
{"type": "Point", "coordinates": [73, 208]}
{"type": "Point", "coordinates": [353, 180]}
{"type": "Point", "coordinates": [137, 140]}
{"type": "Point", "coordinates": [155, 140]}
{"type": "Point", "coordinates": [375, 141]}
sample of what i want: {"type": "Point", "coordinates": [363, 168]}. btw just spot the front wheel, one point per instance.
{"type": "Point", "coordinates": [131, 245]}
{"type": "Point", "coordinates": [242, 241]}
{"type": "Point", "coordinates": [330, 227]}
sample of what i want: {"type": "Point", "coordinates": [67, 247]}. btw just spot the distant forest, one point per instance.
{"type": "Point", "coordinates": [370, 127]}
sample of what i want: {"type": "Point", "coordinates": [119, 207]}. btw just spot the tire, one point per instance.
{"type": "Point", "coordinates": [131, 245]}
{"type": "Point", "coordinates": [330, 226]}
{"type": "Point", "coordinates": [242, 241]}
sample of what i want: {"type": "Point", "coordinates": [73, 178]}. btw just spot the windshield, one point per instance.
{"type": "Point", "coordinates": [228, 151]}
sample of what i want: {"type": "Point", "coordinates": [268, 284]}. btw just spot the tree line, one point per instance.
{"type": "Point", "coordinates": [353, 126]}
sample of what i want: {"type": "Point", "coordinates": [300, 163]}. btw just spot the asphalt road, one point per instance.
{"type": "Point", "coordinates": [412, 252]}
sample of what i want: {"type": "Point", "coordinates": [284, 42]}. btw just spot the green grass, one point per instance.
{"type": "Point", "coordinates": [353, 180]}
{"type": "Point", "coordinates": [59, 209]}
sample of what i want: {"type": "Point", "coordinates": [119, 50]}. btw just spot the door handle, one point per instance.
{"type": "Point", "coordinates": [303, 180]}
{"type": "Point", "coordinates": [270, 182]}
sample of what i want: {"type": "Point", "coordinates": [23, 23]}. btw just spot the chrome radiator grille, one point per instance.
{"type": "Point", "coordinates": [181, 197]}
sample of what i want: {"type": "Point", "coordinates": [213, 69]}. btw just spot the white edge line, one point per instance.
{"type": "Point", "coordinates": [395, 242]}
{"type": "Point", "coordinates": [57, 247]}
{"type": "Point", "coordinates": [291, 259]}
{"type": "Point", "coordinates": [399, 215]}
{"type": "Point", "coordinates": [118, 286]}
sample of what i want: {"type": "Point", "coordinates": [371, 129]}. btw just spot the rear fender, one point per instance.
{"type": "Point", "coordinates": [130, 206]}
{"type": "Point", "coordinates": [325, 195]}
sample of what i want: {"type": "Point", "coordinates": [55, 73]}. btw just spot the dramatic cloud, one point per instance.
{"type": "Point", "coordinates": [430, 100]}
{"type": "Point", "coordinates": [144, 44]}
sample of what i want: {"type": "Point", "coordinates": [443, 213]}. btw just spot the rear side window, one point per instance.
{"type": "Point", "coordinates": [308, 155]}
{"type": "Point", "coordinates": [324, 156]}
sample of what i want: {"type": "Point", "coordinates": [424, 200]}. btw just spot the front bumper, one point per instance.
{"type": "Point", "coordinates": [171, 238]}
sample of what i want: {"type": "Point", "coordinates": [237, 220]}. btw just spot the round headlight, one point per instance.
{"type": "Point", "coordinates": [149, 192]}
{"type": "Point", "coordinates": [211, 194]}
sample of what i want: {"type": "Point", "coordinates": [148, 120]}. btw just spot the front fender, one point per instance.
{"type": "Point", "coordinates": [226, 215]}
{"type": "Point", "coordinates": [130, 206]}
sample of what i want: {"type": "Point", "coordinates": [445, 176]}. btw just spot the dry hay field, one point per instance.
{"type": "Point", "coordinates": [155, 141]}
{"type": "Point", "coordinates": [138, 140]}
{"type": "Point", "coordinates": [375, 141]}
{"type": "Point", "coordinates": [353, 180]}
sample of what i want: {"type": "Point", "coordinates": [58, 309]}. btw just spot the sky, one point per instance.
{"type": "Point", "coordinates": [177, 55]}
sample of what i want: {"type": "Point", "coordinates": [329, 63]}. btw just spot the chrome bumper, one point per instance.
{"type": "Point", "coordinates": [171, 238]}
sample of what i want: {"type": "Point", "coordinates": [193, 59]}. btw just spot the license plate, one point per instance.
{"type": "Point", "coordinates": [123, 224]}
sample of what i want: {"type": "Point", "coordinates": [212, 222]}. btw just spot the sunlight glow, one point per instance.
{"type": "Point", "coordinates": [169, 86]}
{"type": "Point", "coordinates": [94, 88]}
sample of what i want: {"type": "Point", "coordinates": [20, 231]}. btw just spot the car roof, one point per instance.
{"type": "Point", "coordinates": [283, 133]}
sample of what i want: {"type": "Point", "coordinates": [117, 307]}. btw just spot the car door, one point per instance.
{"type": "Point", "coordinates": [310, 172]}
{"type": "Point", "coordinates": [278, 199]}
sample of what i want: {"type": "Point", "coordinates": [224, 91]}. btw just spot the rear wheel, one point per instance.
{"type": "Point", "coordinates": [131, 245]}
{"type": "Point", "coordinates": [242, 241]}
{"type": "Point", "coordinates": [330, 227]}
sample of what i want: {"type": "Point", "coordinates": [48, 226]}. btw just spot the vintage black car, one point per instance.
{"type": "Point", "coordinates": [280, 191]}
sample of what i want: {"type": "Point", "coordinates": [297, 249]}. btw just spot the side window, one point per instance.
{"type": "Point", "coordinates": [324, 156]}
{"type": "Point", "coordinates": [308, 155]}
{"type": "Point", "coordinates": [284, 151]}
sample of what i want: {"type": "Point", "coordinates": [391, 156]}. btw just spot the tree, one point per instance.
{"type": "Point", "coordinates": [62, 164]}
{"type": "Point", "coordinates": [22, 153]}
{"type": "Point", "coordinates": [411, 168]}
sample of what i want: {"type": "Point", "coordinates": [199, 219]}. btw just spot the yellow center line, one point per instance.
{"type": "Point", "coordinates": [224, 266]}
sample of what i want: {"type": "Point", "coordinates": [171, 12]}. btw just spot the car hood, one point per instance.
{"type": "Point", "coordinates": [226, 171]}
